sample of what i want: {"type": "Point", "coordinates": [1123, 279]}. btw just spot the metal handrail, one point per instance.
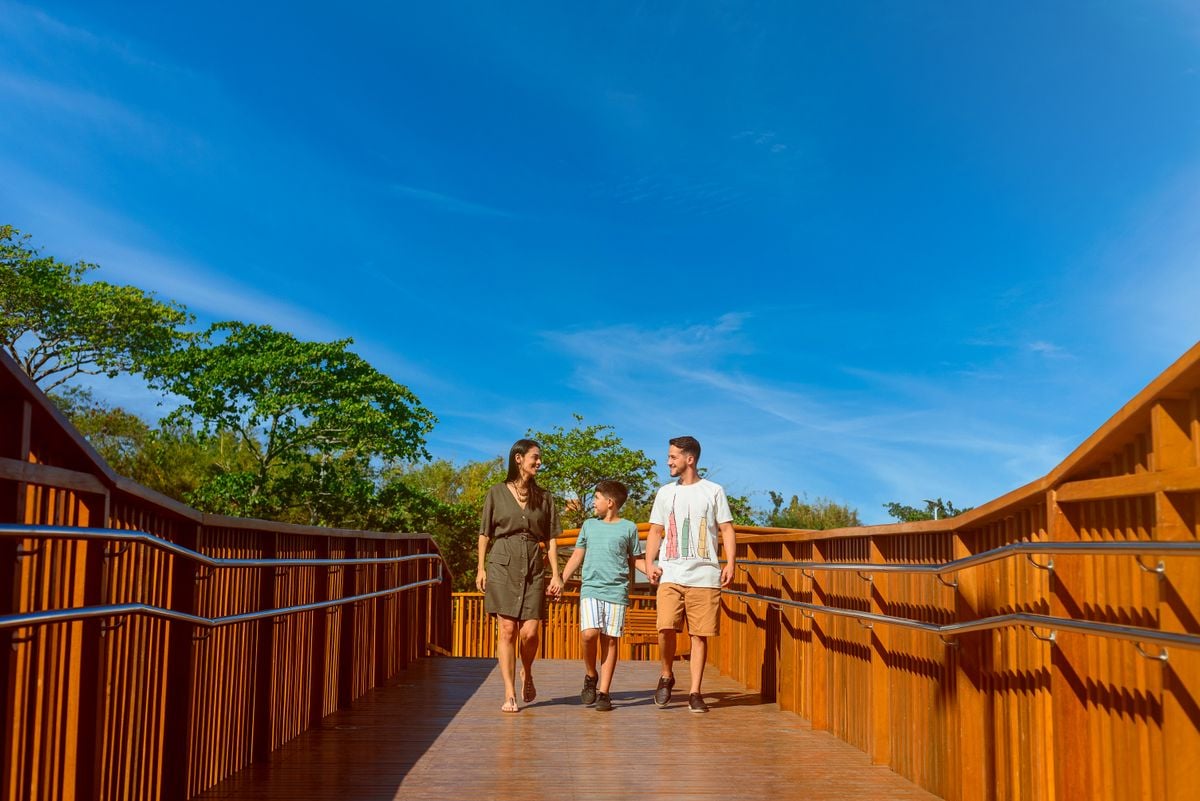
{"type": "Point", "coordinates": [120, 535]}
{"type": "Point", "coordinates": [996, 554]}
{"type": "Point", "coordinates": [42, 617]}
{"type": "Point", "coordinates": [1134, 634]}
{"type": "Point", "coordinates": [121, 610]}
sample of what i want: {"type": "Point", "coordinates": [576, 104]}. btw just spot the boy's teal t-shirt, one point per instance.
{"type": "Point", "coordinates": [608, 548]}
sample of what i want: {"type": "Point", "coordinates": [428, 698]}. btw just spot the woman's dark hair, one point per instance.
{"type": "Point", "coordinates": [519, 448]}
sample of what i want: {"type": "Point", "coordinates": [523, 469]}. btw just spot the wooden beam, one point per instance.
{"type": "Point", "coordinates": [1182, 479]}
{"type": "Point", "coordinates": [48, 476]}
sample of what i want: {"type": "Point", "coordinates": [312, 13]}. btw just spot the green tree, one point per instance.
{"type": "Point", "coordinates": [817, 515]}
{"type": "Point", "coordinates": [578, 457]}
{"type": "Point", "coordinates": [932, 511]}
{"type": "Point", "coordinates": [173, 459]}
{"type": "Point", "coordinates": [443, 500]}
{"type": "Point", "coordinates": [742, 510]}
{"type": "Point", "coordinates": [304, 410]}
{"type": "Point", "coordinates": [58, 326]}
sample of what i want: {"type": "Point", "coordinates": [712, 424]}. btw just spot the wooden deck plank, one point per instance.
{"type": "Point", "coordinates": [437, 733]}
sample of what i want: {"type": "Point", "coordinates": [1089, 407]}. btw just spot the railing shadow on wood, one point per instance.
{"type": "Point", "coordinates": [135, 706]}
{"type": "Point", "coordinates": [1004, 713]}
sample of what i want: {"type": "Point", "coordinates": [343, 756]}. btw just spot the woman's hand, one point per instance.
{"type": "Point", "coordinates": [556, 587]}
{"type": "Point", "coordinates": [481, 580]}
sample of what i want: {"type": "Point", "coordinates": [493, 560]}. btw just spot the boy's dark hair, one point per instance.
{"type": "Point", "coordinates": [615, 491]}
{"type": "Point", "coordinates": [688, 445]}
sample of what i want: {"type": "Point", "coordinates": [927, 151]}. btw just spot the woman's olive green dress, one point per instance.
{"type": "Point", "coordinates": [516, 565]}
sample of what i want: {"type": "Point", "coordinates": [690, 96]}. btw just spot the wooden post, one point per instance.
{"type": "Point", "coordinates": [1175, 438]}
{"type": "Point", "coordinates": [264, 690]}
{"type": "Point", "coordinates": [320, 640]}
{"type": "Point", "coordinates": [880, 730]}
{"type": "Point", "coordinates": [177, 727]}
{"type": "Point", "coordinates": [346, 666]}
{"type": "Point", "coordinates": [974, 744]}
{"type": "Point", "coordinates": [1070, 746]}
{"type": "Point", "coordinates": [819, 649]}
{"type": "Point", "coordinates": [90, 677]}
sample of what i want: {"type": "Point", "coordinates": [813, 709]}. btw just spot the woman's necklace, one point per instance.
{"type": "Point", "coordinates": [522, 493]}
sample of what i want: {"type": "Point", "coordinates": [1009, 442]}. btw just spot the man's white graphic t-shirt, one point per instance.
{"type": "Point", "coordinates": [689, 515]}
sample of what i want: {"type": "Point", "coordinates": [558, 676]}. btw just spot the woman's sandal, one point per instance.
{"type": "Point", "coordinates": [528, 691]}
{"type": "Point", "coordinates": [510, 705]}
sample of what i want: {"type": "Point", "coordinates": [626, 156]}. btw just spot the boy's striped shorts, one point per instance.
{"type": "Point", "coordinates": [604, 615]}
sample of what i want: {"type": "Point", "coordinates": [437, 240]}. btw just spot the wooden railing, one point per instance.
{"type": "Point", "coordinates": [475, 633]}
{"type": "Point", "coordinates": [131, 705]}
{"type": "Point", "coordinates": [1016, 712]}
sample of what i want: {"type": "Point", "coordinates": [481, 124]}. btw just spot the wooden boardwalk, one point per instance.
{"type": "Point", "coordinates": [437, 733]}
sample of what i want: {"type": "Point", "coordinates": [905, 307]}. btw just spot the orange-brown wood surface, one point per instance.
{"type": "Point", "coordinates": [436, 733]}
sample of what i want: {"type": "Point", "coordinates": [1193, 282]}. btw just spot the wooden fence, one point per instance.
{"type": "Point", "coordinates": [137, 707]}
{"type": "Point", "coordinates": [475, 633]}
{"type": "Point", "coordinates": [1006, 713]}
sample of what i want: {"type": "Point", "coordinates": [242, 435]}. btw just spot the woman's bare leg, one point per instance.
{"type": "Point", "coordinates": [506, 654]}
{"type": "Point", "coordinates": [530, 639]}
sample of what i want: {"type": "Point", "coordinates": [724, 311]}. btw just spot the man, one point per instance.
{"type": "Point", "coordinates": [688, 512]}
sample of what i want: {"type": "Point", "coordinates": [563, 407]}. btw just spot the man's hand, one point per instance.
{"type": "Point", "coordinates": [556, 587]}
{"type": "Point", "coordinates": [481, 580]}
{"type": "Point", "coordinates": [654, 574]}
{"type": "Point", "coordinates": [727, 574]}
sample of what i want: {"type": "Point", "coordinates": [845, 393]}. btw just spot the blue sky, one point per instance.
{"type": "Point", "coordinates": [868, 251]}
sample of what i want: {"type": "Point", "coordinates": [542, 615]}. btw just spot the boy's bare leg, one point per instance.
{"type": "Point", "coordinates": [591, 638]}
{"type": "Point", "coordinates": [696, 658]}
{"type": "Point", "coordinates": [608, 660]}
{"type": "Point", "coordinates": [506, 655]}
{"type": "Point", "coordinates": [666, 649]}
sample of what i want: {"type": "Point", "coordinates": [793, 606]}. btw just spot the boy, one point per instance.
{"type": "Point", "coordinates": [606, 547]}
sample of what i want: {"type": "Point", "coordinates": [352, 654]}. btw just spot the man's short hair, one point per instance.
{"type": "Point", "coordinates": [615, 491]}
{"type": "Point", "coordinates": [688, 445]}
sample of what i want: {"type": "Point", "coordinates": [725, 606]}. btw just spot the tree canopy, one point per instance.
{"type": "Point", "coordinates": [818, 514]}
{"type": "Point", "coordinates": [313, 414]}
{"type": "Point", "coordinates": [933, 510]}
{"type": "Point", "coordinates": [58, 326]}
{"type": "Point", "coordinates": [578, 457]}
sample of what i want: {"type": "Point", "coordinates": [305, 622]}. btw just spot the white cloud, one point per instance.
{"type": "Point", "coordinates": [446, 202]}
{"type": "Point", "coordinates": [897, 437]}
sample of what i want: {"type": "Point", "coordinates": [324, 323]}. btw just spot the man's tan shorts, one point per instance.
{"type": "Point", "coordinates": [702, 605]}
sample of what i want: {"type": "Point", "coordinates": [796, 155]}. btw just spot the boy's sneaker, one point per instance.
{"type": "Point", "coordinates": [662, 695]}
{"type": "Point", "coordinates": [696, 703]}
{"type": "Point", "coordinates": [603, 702]}
{"type": "Point", "coordinates": [588, 694]}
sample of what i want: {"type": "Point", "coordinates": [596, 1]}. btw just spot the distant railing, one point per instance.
{"type": "Point", "coordinates": [475, 633]}
{"type": "Point", "coordinates": [152, 650]}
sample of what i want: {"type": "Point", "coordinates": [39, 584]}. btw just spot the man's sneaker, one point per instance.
{"type": "Point", "coordinates": [588, 694]}
{"type": "Point", "coordinates": [696, 703]}
{"type": "Point", "coordinates": [662, 696]}
{"type": "Point", "coordinates": [603, 702]}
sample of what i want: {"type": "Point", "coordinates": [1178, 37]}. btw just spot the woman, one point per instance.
{"type": "Point", "coordinates": [518, 518]}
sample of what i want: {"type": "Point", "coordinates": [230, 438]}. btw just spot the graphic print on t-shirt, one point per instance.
{"type": "Point", "coordinates": [672, 537]}
{"type": "Point", "coordinates": [685, 541]}
{"type": "Point", "coordinates": [703, 553]}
